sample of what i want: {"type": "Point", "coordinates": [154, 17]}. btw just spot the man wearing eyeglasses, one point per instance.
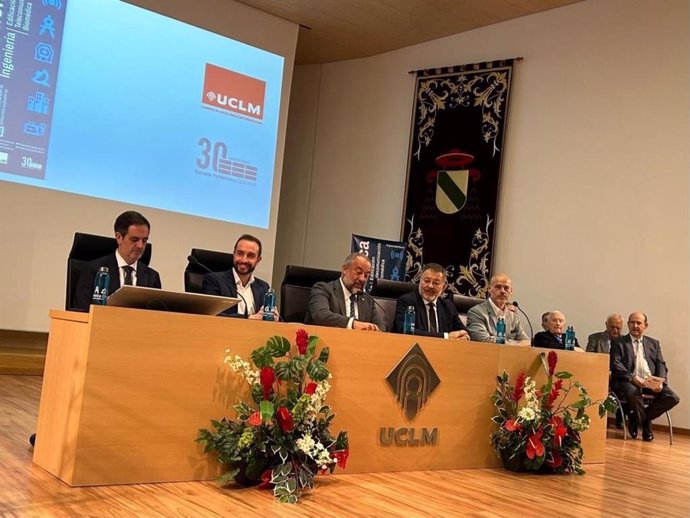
{"type": "Point", "coordinates": [434, 315]}
{"type": "Point", "coordinates": [482, 318]}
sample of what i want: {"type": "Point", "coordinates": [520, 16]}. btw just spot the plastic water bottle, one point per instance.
{"type": "Point", "coordinates": [410, 317]}
{"type": "Point", "coordinates": [501, 330]}
{"type": "Point", "coordinates": [100, 287]}
{"type": "Point", "coordinates": [269, 304]}
{"type": "Point", "coordinates": [570, 339]}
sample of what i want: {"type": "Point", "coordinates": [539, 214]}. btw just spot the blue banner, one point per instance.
{"type": "Point", "coordinates": [387, 257]}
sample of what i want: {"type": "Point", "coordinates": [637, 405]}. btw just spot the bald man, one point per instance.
{"type": "Point", "coordinates": [637, 368]}
{"type": "Point", "coordinates": [482, 318]}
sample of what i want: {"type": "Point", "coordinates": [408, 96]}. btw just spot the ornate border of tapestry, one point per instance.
{"type": "Point", "coordinates": [454, 169]}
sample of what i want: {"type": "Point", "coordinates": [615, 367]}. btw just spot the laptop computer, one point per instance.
{"type": "Point", "coordinates": [162, 300]}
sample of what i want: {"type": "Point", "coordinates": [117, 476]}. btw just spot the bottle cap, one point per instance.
{"type": "Point", "coordinates": [103, 269]}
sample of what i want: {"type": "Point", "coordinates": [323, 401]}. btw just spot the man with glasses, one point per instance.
{"type": "Point", "coordinates": [434, 315]}
{"type": "Point", "coordinates": [482, 318]}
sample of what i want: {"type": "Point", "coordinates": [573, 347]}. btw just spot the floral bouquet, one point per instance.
{"type": "Point", "coordinates": [537, 430]}
{"type": "Point", "coordinates": [280, 438]}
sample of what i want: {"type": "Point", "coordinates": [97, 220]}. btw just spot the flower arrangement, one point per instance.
{"type": "Point", "coordinates": [537, 430]}
{"type": "Point", "coordinates": [280, 438]}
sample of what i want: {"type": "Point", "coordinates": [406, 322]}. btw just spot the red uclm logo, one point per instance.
{"type": "Point", "coordinates": [233, 92]}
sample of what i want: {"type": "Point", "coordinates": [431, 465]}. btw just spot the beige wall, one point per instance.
{"type": "Point", "coordinates": [594, 196]}
{"type": "Point", "coordinates": [37, 226]}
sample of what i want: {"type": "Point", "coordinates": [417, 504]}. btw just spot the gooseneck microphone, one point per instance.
{"type": "Point", "coordinates": [367, 293]}
{"type": "Point", "coordinates": [531, 331]}
{"type": "Point", "coordinates": [232, 288]}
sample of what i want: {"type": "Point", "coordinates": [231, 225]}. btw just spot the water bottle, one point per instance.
{"type": "Point", "coordinates": [100, 287]}
{"type": "Point", "coordinates": [501, 330]}
{"type": "Point", "coordinates": [410, 317]}
{"type": "Point", "coordinates": [269, 304]}
{"type": "Point", "coordinates": [570, 339]}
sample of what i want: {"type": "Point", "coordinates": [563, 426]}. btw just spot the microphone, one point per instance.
{"type": "Point", "coordinates": [196, 261]}
{"type": "Point", "coordinates": [364, 294]}
{"type": "Point", "coordinates": [531, 331]}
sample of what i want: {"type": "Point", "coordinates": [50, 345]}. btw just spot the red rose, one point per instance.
{"type": "Point", "coordinates": [267, 377]}
{"type": "Point", "coordinates": [553, 359]}
{"type": "Point", "coordinates": [302, 341]}
{"type": "Point", "coordinates": [254, 419]}
{"type": "Point", "coordinates": [310, 388]}
{"type": "Point", "coordinates": [285, 419]}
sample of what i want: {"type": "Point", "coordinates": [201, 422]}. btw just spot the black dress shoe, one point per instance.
{"type": "Point", "coordinates": [647, 434]}
{"type": "Point", "coordinates": [632, 426]}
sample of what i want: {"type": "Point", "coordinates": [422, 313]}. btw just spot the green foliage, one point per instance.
{"type": "Point", "coordinates": [250, 446]}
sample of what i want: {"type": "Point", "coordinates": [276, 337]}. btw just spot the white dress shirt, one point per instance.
{"type": "Point", "coordinates": [246, 292]}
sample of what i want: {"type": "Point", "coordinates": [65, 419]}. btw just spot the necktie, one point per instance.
{"type": "Point", "coordinates": [559, 338]}
{"type": "Point", "coordinates": [353, 301]}
{"type": "Point", "coordinates": [433, 328]}
{"type": "Point", "coordinates": [128, 275]}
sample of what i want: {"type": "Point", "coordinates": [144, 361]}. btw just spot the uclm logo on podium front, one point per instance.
{"type": "Point", "coordinates": [233, 92]}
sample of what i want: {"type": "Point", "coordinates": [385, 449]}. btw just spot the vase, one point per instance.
{"type": "Point", "coordinates": [242, 479]}
{"type": "Point", "coordinates": [515, 463]}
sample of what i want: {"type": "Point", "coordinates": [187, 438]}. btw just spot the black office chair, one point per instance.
{"type": "Point", "coordinates": [86, 248]}
{"type": "Point", "coordinates": [295, 289]}
{"type": "Point", "coordinates": [386, 294]}
{"type": "Point", "coordinates": [194, 273]}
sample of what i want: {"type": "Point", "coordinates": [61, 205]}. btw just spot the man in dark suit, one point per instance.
{"type": "Point", "coordinates": [637, 368]}
{"type": "Point", "coordinates": [601, 342]}
{"type": "Point", "coordinates": [240, 280]}
{"type": "Point", "coordinates": [343, 303]}
{"type": "Point", "coordinates": [554, 336]}
{"type": "Point", "coordinates": [131, 233]}
{"type": "Point", "coordinates": [434, 316]}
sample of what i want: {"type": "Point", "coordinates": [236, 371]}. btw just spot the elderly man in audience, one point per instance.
{"type": "Point", "coordinates": [482, 318]}
{"type": "Point", "coordinates": [638, 370]}
{"type": "Point", "coordinates": [554, 336]}
{"type": "Point", "coordinates": [545, 320]}
{"type": "Point", "coordinates": [601, 342]}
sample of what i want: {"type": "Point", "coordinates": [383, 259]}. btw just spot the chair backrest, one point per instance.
{"type": "Point", "coordinates": [383, 288]}
{"type": "Point", "coordinates": [295, 289]}
{"type": "Point", "coordinates": [463, 304]}
{"type": "Point", "coordinates": [194, 273]}
{"type": "Point", "coordinates": [86, 248]}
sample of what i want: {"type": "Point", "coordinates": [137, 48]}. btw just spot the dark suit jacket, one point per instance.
{"type": "Point", "coordinates": [598, 343]}
{"type": "Point", "coordinates": [326, 307]}
{"type": "Point", "coordinates": [146, 276]}
{"type": "Point", "coordinates": [223, 284]}
{"type": "Point", "coordinates": [448, 317]}
{"type": "Point", "coordinates": [623, 358]}
{"type": "Point", "coordinates": [549, 341]}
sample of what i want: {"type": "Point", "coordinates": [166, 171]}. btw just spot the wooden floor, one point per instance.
{"type": "Point", "coordinates": [628, 485]}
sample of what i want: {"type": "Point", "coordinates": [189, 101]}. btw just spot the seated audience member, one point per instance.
{"type": "Point", "coordinates": [131, 233]}
{"type": "Point", "coordinates": [554, 337]}
{"type": "Point", "coordinates": [343, 303]}
{"type": "Point", "coordinates": [601, 342]}
{"type": "Point", "coordinates": [637, 368]}
{"type": "Point", "coordinates": [240, 280]}
{"type": "Point", "coordinates": [545, 320]}
{"type": "Point", "coordinates": [482, 318]}
{"type": "Point", "coordinates": [434, 315]}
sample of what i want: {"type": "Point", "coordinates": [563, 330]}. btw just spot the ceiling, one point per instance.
{"type": "Point", "coordinates": [334, 30]}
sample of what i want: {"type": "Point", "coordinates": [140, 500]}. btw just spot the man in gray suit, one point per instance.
{"type": "Point", "coordinates": [343, 303]}
{"type": "Point", "coordinates": [638, 368]}
{"type": "Point", "coordinates": [601, 342]}
{"type": "Point", "coordinates": [482, 318]}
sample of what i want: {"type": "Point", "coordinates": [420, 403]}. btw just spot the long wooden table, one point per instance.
{"type": "Point", "coordinates": [125, 392]}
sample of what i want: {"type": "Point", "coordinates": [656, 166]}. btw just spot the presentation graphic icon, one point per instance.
{"type": "Point", "coordinates": [35, 128]}
{"type": "Point", "coordinates": [44, 53]}
{"type": "Point", "coordinates": [38, 103]}
{"type": "Point", "coordinates": [57, 4]}
{"type": "Point", "coordinates": [41, 77]}
{"type": "Point", "coordinates": [47, 26]}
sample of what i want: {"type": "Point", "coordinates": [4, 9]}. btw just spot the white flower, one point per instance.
{"type": "Point", "coordinates": [306, 444]}
{"type": "Point", "coordinates": [237, 364]}
{"type": "Point", "coordinates": [527, 414]}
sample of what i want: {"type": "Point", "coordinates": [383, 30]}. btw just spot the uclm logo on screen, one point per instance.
{"type": "Point", "coordinates": [234, 92]}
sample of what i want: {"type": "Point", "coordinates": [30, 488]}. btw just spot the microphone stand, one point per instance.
{"type": "Point", "coordinates": [531, 331]}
